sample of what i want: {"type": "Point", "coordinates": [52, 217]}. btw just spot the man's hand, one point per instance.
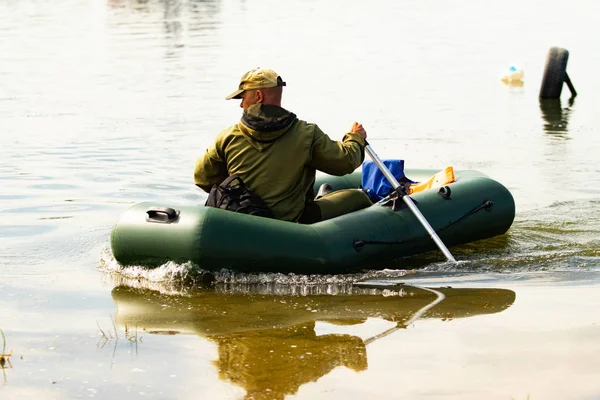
{"type": "Point", "coordinates": [358, 128]}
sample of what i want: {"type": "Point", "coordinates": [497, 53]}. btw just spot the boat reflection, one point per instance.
{"type": "Point", "coordinates": [267, 343]}
{"type": "Point", "coordinates": [556, 118]}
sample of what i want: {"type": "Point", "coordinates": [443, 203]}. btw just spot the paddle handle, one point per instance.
{"type": "Point", "coordinates": [396, 185]}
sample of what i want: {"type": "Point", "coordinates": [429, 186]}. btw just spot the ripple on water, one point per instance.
{"type": "Point", "coordinates": [134, 195]}
{"type": "Point", "coordinates": [26, 176]}
{"type": "Point", "coordinates": [12, 197]}
{"type": "Point", "coordinates": [177, 277]}
{"type": "Point", "coordinates": [54, 186]}
{"type": "Point", "coordinates": [70, 207]}
{"type": "Point", "coordinates": [98, 178]}
{"type": "Point", "coordinates": [12, 231]}
{"type": "Point", "coordinates": [561, 237]}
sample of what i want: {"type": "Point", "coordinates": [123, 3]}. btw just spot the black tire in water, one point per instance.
{"type": "Point", "coordinates": [555, 73]}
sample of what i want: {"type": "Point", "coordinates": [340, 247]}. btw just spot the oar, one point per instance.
{"type": "Point", "coordinates": [386, 172]}
{"type": "Point", "coordinates": [440, 296]}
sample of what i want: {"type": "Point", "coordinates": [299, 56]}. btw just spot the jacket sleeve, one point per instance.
{"type": "Point", "coordinates": [210, 169]}
{"type": "Point", "coordinates": [334, 157]}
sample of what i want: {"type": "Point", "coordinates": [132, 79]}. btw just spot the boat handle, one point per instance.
{"type": "Point", "coordinates": [162, 214]}
{"type": "Point", "coordinates": [445, 192]}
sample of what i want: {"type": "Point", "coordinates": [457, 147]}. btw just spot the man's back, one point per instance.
{"type": "Point", "coordinates": [276, 155]}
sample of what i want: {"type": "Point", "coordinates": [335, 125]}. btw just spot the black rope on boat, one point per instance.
{"type": "Point", "coordinates": [359, 244]}
{"type": "Point", "coordinates": [486, 205]}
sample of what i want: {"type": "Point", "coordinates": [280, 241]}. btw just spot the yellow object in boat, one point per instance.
{"type": "Point", "coordinates": [441, 178]}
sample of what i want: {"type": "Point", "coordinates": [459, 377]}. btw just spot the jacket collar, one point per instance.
{"type": "Point", "coordinates": [267, 117]}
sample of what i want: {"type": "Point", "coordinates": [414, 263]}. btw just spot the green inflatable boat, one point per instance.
{"type": "Point", "coordinates": [470, 208]}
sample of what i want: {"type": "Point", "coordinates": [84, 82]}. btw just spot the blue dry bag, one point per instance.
{"type": "Point", "coordinates": [375, 183]}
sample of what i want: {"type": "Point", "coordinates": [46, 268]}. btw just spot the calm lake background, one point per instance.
{"type": "Point", "coordinates": [104, 104]}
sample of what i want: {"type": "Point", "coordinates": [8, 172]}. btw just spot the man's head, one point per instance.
{"type": "Point", "coordinates": [259, 86]}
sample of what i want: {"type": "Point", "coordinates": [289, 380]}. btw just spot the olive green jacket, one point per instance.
{"type": "Point", "coordinates": [276, 155]}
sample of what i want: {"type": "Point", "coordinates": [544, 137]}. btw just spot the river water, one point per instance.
{"type": "Point", "coordinates": [104, 104]}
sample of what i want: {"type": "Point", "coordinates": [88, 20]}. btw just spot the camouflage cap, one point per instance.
{"type": "Point", "coordinates": [257, 79]}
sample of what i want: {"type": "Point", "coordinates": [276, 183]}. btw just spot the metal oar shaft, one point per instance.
{"type": "Point", "coordinates": [440, 296]}
{"type": "Point", "coordinates": [396, 185]}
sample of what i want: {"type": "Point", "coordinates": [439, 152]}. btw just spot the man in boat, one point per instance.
{"type": "Point", "coordinates": [276, 154]}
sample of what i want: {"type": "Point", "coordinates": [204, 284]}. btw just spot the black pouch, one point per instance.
{"type": "Point", "coordinates": [233, 195]}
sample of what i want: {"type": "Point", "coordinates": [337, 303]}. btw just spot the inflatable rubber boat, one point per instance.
{"type": "Point", "coordinates": [470, 208]}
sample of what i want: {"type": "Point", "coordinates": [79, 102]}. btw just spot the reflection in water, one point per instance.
{"type": "Point", "coordinates": [172, 17]}
{"type": "Point", "coordinates": [4, 357]}
{"type": "Point", "coordinates": [515, 84]}
{"type": "Point", "coordinates": [178, 16]}
{"type": "Point", "coordinates": [173, 10]}
{"type": "Point", "coordinates": [555, 116]}
{"type": "Point", "coordinates": [267, 343]}
{"type": "Point", "coordinates": [274, 362]}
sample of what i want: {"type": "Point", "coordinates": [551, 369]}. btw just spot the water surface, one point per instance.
{"type": "Point", "coordinates": [104, 104]}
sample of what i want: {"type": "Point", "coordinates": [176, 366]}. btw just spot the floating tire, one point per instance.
{"type": "Point", "coordinates": [555, 73]}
